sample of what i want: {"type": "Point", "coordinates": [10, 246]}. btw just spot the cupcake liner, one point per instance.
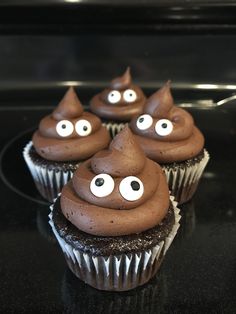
{"type": "Point", "coordinates": [117, 272]}
{"type": "Point", "coordinates": [114, 128]}
{"type": "Point", "coordinates": [49, 182]}
{"type": "Point", "coordinates": [183, 181]}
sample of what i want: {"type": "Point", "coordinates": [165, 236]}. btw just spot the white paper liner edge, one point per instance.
{"type": "Point", "coordinates": [183, 182]}
{"type": "Point", "coordinates": [114, 128]}
{"type": "Point", "coordinates": [48, 182]}
{"type": "Point", "coordinates": [117, 272]}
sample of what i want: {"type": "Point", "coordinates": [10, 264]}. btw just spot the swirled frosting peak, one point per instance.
{"type": "Point", "coordinates": [166, 132]}
{"type": "Point", "coordinates": [110, 197]}
{"type": "Point", "coordinates": [160, 103]}
{"type": "Point", "coordinates": [120, 101]}
{"type": "Point", "coordinates": [69, 133]}
{"type": "Point", "coordinates": [124, 157]}
{"type": "Point", "coordinates": [123, 81]}
{"type": "Point", "coordinates": [69, 107]}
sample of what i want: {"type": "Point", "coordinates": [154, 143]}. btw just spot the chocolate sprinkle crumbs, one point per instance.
{"type": "Point", "coordinates": [50, 164]}
{"type": "Point", "coordinates": [186, 163]}
{"type": "Point", "coordinates": [106, 246]}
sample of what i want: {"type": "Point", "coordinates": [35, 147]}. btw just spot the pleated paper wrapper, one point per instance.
{"type": "Point", "coordinates": [114, 128]}
{"type": "Point", "coordinates": [117, 272]}
{"type": "Point", "coordinates": [49, 182]}
{"type": "Point", "coordinates": [183, 181]}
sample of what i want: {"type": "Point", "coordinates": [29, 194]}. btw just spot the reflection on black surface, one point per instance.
{"type": "Point", "coordinates": [78, 297]}
{"type": "Point", "coordinates": [14, 171]}
{"type": "Point", "coordinates": [43, 226]}
{"type": "Point", "coordinates": [188, 219]}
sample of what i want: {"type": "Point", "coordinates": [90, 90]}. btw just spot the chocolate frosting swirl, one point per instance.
{"type": "Point", "coordinates": [69, 107]}
{"type": "Point", "coordinates": [50, 145]}
{"type": "Point", "coordinates": [123, 81]}
{"type": "Point", "coordinates": [113, 215]}
{"type": "Point", "coordinates": [183, 142]}
{"type": "Point", "coordinates": [122, 110]}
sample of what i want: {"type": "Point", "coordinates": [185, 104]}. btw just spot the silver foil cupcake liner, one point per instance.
{"type": "Point", "coordinates": [117, 272]}
{"type": "Point", "coordinates": [49, 182]}
{"type": "Point", "coordinates": [183, 181]}
{"type": "Point", "coordinates": [114, 128]}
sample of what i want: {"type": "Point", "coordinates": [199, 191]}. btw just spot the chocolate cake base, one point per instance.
{"type": "Point", "coordinates": [186, 163]}
{"type": "Point", "coordinates": [114, 263]}
{"type": "Point", "coordinates": [49, 176]}
{"type": "Point", "coordinates": [183, 177]}
{"type": "Point", "coordinates": [106, 246]}
{"type": "Point", "coordinates": [50, 164]}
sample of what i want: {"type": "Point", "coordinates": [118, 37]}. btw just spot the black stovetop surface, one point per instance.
{"type": "Point", "coordinates": [198, 274]}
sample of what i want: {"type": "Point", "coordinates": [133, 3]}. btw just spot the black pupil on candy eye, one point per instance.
{"type": "Point", "coordinates": [135, 185]}
{"type": "Point", "coordinates": [131, 95]}
{"type": "Point", "coordinates": [164, 125]}
{"type": "Point", "coordinates": [99, 181]}
{"type": "Point", "coordinates": [63, 126]}
{"type": "Point", "coordinates": [85, 128]}
{"type": "Point", "coordinates": [141, 120]}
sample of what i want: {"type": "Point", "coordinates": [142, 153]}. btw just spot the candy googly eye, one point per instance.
{"type": "Point", "coordinates": [131, 188]}
{"type": "Point", "coordinates": [83, 127]}
{"type": "Point", "coordinates": [130, 95]}
{"type": "Point", "coordinates": [163, 127]}
{"type": "Point", "coordinates": [144, 122]}
{"type": "Point", "coordinates": [64, 128]}
{"type": "Point", "coordinates": [114, 97]}
{"type": "Point", "coordinates": [102, 185]}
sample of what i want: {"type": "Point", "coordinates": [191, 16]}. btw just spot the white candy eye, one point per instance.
{"type": "Point", "coordinates": [114, 96]}
{"type": "Point", "coordinates": [64, 128]}
{"type": "Point", "coordinates": [131, 188]}
{"type": "Point", "coordinates": [144, 122]}
{"type": "Point", "coordinates": [130, 95]}
{"type": "Point", "coordinates": [164, 127]}
{"type": "Point", "coordinates": [83, 127]}
{"type": "Point", "coordinates": [102, 185]}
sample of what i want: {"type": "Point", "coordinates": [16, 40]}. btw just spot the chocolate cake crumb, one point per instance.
{"type": "Point", "coordinates": [52, 165]}
{"type": "Point", "coordinates": [186, 163]}
{"type": "Point", "coordinates": [106, 246]}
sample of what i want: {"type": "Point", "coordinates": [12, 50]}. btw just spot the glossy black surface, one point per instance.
{"type": "Point", "coordinates": [73, 16]}
{"type": "Point", "coordinates": [89, 60]}
{"type": "Point", "coordinates": [198, 274]}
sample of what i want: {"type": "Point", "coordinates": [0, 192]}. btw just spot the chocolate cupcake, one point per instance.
{"type": "Point", "coordinates": [167, 135]}
{"type": "Point", "coordinates": [114, 220]}
{"type": "Point", "coordinates": [64, 139]}
{"type": "Point", "coordinates": [118, 103]}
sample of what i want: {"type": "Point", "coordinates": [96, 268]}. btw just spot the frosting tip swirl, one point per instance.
{"type": "Point", "coordinates": [124, 156]}
{"type": "Point", "coordinates": [160, 103]}
{"type": "Point", "coordinates": [126, 143]}
{"type": "Point", "coordinates": [69, 107]}
{"type": "Point", "coordinates": [123, 81]}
